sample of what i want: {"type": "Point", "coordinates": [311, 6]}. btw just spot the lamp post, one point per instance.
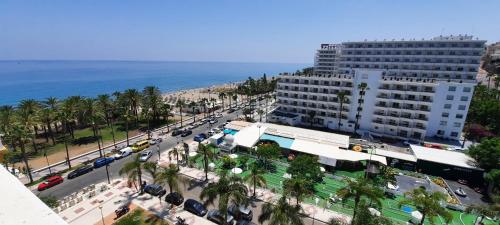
{"type": "Point", "coordinates": [369, 161]}
{"type": "Point", "coordinates": [158, 151]}
{"type": "Point", "coordinates": [47, 158]}
{"type": "Point", "coordinates": [107, 173]}
{"type": "Point", "coordinates": [102, 216]}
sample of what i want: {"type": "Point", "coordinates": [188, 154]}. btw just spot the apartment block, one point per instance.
{"type": "Point", "coordinates": [414, 88]}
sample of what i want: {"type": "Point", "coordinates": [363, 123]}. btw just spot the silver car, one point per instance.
{"type": "Point", "coordinates": [145, 155]}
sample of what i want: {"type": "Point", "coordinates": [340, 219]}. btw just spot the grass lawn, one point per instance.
{"type": "Point", "coordinates": [140, 217]}
{"type": "Point", "coordinates": [329, 186]}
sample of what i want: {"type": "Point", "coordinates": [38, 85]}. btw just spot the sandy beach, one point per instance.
{"type": "Point", "coordinates": [199, 93]}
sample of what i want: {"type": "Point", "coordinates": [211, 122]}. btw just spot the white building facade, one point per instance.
{"type": "Point", "coordinates": [415, 89]}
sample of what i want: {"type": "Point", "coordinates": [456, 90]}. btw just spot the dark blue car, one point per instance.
{"type": "Point", "coordinates": [200, 137]}
{"type": "Point", "coordinates": [103, 161]}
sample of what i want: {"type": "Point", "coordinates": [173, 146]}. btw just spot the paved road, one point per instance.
{"type": "Point", "coordinates": [99, 175]}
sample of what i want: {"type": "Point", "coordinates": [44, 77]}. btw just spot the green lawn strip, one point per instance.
{"type": "Point", "coordinates": [138, 217]}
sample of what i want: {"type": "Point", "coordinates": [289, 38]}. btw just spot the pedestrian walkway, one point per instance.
{"type": "Point", "coordinates": [101, 208]}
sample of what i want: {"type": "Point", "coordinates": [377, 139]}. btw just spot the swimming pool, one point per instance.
{"type": "Point", "coordinates": [230, 131]}
{"type": "Point", "coordinates": [282, 141]}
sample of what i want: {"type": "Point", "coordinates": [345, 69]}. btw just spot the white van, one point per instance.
{"type": "Point", "coordinates": [123, 153]}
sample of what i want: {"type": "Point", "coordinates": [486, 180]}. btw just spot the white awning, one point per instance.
{"type": "Point", "coordinates": [451, 158]}
{"type": "Point", "coordinates": [333, 152]}
{"type": "Point", "coordinates": [248, 136]}
{"type": "Point", "coordinates": [396, 155]}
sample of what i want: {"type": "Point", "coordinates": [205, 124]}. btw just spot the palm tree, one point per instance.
{"type": "Point", "coordinates": [169, 176]}
{"type": "Point", "coordinates": [427, 203]}
{"type": "Point", "coordinates": [133, 98]}
{"type": "Point", "coordinates": [362, 91]}
{"type": "Point", "coordinates": [311, 115]}
{"type": "Point", "coordinates": [213, 101]}
{"type": "Point", "coordinates": [152, 169]}
{"type": "Point", "coordinates": [46, 116]}
{"type": "Point", "coordinates": [53, 104]}
{"type": "Point", "coordinates": [358, 188]}
{"type": "Point", "coordinates": [165, 110]}
{"type": "Point", "coordinates": [235, 98]}
{"type": "Point", "coordinates": [152, 100]}
{"type": "Point", "coordinates": [267, 97]}
{"type": "Point", "coordinates": [127, 118]}
{"type": "Point", "coordinates": [176, 152]}
{"type": "Point", "coordinates": [222, 96]}
{"type": "Point", "coordinates": [230, 98]}
{"type": "Point", "coordinates": [28, 111]}
{"type": "Point", "coordinates": [133, 169]}
{"type": "Point", "coordinates": [7, 117]}
{"type": "Point", "coordinates": [281, 213]}
{"type": "Point", "coordinates": [21, 134]}
{"type": "Point", "coordinates": [260, 112]}
{"type": "Point", "coordinates": [341, 96]}
{"type": "Point", "coordinates": [193, 105]}
{"type": "Point", "coordinates": [255, 177]}
{"type": "Point", "coordinates": [203, 102]}
{"type": "Point", "coordinates": [297, 188]}
{"type": "Point", "coordinates": [228, 190]}
{"type": "Point", "coordinates": [180, 103]}
{"type": "Point", "coordinates": [65, 116]}
{"type": "Point", "coordinates": [104, 105]}
{"type": "Point", "coordinates": [208, 154]}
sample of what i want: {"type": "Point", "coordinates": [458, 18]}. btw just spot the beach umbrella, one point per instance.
{"type": "Point", "coordinates": [374, 212]}
{"type": "Point", "coordinates": [416, 216]}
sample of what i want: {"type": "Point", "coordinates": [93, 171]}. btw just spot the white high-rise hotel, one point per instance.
{"type": "Point", "coordinates": [416, 88]}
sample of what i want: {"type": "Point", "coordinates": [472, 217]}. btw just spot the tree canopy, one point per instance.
{"type": "Point", "coordinates": [487, 153]}
{"type": "Point", "coordinates": [306, 167]}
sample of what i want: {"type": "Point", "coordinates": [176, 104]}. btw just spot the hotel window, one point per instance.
{"type": "Point", "coordinates": [459, 116]}
{"type": "Point", "coordinates": [442, 123]}
{"type": "Point", "coordinates": [464, 98]}
{"type": "Point", "coordinates": [449, 97]}
{"type": "Point", "coordinates": [454, 134]}
{"type": "Point", "coordinates": [445, 114]}
{"type": "Point", "coordinates": [447, 106]}
{"type": "Point", "coordinates": [452, 88]}
{"type": "Point", "coordinates": [456, 124]}
{"type": "Point", "coordinates": [440, 132]}
{"type": "Point", "coordinates": [461, 107]}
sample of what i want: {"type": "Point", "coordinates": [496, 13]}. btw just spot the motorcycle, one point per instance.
{"type": "Point", "coordinates": [181, 221]}
{"type": "Point", "coordinates": [122, 210]}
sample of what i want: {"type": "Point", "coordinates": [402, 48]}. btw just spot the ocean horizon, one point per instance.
{"type": "Point", "coordinates": [40, 79]}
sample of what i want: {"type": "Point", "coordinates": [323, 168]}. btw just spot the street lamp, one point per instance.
{"type": "Point", "coordinates": [102, 216]}
{"type": "Point", "coordinates": [369, 161]}
{"type": "Point", "coordinates": [158, 152]}
{"type": "Point", "coordinates": [107, 173]}
{"type": "Point", "coordinates": [47, 158]}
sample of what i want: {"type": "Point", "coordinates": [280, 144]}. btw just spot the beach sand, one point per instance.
{"type": "Point", "coordinates": [198, 93]}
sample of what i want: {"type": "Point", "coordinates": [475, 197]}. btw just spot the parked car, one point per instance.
{"type": "Point", "coordinates": [155, 141]}
{"type": "Point", "coordinates": [80, 171]}
{"type": "Point", "coordinates": [50, 182]}
{"type": "Point", "coordinates": [186, 133]}
{"type": "Point", "coordinates": [217, 217]}
{"type": "Point", "coordinates": [176, 132]}
{"type": "Point", "coordinates": [174, 198]}
{"type": "Point", "coordinates": [231, 110]}
{"type": "Point", "coordinates": [212, 121]}
{"type": "Point", "coordinates": [200, 137]}
{"type": "Point", "coordinates": [145, 156]}
{"type": "Point", "coordinates": [190, 127]}
{"type": "Point", "coordinates": [219, 115]}
{"type": "Point", "coordinates": [122, 210]}
{"type": "Point", "coordinates": [100, 162]}
{"type": "Point", "coordinates": [155, 190]}
{"type": "Point", "coordinates": [241, 212]}
{"type": "Point", "coordinates": [140, 145]}
{"type": "Point", "coordinates": [123, 153]}
{"type": "Point", "coordinates": [195, 207]}
{"type": "Point", "coordinates": [245, 222]}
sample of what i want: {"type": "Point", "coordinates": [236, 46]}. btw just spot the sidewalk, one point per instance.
{"type": "Point", "coordinates": [102, 206]}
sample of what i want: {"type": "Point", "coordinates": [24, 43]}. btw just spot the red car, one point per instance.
{"type": "Point", "coordinates": [50, 182]}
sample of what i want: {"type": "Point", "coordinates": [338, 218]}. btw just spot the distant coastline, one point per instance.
{"type": "Point", "coordinates": [40, 79]}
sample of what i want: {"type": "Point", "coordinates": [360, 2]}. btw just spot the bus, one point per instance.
{"type": "Point", "coordinates": [140, 145]}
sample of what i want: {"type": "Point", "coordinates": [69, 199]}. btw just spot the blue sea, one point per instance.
{"type": "Point", "coordinates": [41, 79]}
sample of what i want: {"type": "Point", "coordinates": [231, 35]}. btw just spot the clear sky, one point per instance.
{"type": "Point", "coordinates": [232, 30]}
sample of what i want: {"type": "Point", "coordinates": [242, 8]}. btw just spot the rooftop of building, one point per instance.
{"type": "Point", "coordinates": [20, 206]}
